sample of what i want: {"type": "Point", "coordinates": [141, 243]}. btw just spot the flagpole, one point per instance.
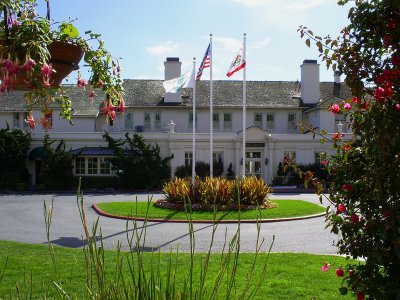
{"type": "Point", "coordinates": [211, 111]}
{"type": "Point", "coordinates": [244, 109]}
{"type": "Point", "coordinates": [194, 126]}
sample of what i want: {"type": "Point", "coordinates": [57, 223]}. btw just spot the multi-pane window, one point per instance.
{"type": "Point", "coordinates": [289, 158]}
{"type": "Point", "coordinates": [258, 121]}
{"type": "Point", "coordinates": [216, 121]}
{"type": "Point", "coordinates": [292, 121]}
{"type": "Point", "coordinates": [191, 120]}
{"type": "Point", "coordinates": [80, 165]}
{"type": "Point", "coordinates": [105, 166]}
{"type": "Point", "coordinates": [146, 123]}
{"type": "Point", "coordinates": [157, 121]}
{"type": "Point", "coordinates": [188, 159]}
{"type": "Point", "coordinates": [319, 157]}
{"type": "Point", "coordinates": [128, 121]}
{"type": "Point", "coordinates": [340, 123]}
{"type": "Point", "coordinates": [16, 120]}
{"type": "Point", "coordinates": [270, 121]}
{"type": "Point", "coordinates": [92, 165]}
{"type": "Point", "coordinates": [227, 121]}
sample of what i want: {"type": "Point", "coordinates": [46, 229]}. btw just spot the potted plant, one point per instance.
{"type": "Point", "coordinates": [36, 55]}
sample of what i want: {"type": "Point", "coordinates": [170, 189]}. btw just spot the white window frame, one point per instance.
{"type": "Point", "coordinates": [157, 121]}
{"type": "Point", "coordinates": [270, 121]}
{"type": "Point", "coordinates": [340, 123]}
{"type": "Point", "coordinates": [227, 123]}
{"type": "Point", "coordinates": [188, 159]}
{"type": "Point", "coordinates": [292, 119]}
{"type": "Point", "coordinates": [146, 121]}
{"type": "Point", "coordinates": [258, 119]}
{"type": "Point", "coordinates": [130, 115]}
{"type": "Point", "coordinates": [215, 121]}
{"type": "Point", "coordinates": [16, 120]}
{"type": "Point", "coordinates": [190, 121]}
{"type": "Point", "coordinates": [99, 162]}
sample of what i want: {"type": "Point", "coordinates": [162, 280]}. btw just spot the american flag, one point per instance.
{"type": "Point", "coordinates": [204, 64]}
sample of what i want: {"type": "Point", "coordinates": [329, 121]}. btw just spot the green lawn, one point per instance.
{"type": "Point", "coordinates": [285, 209]}
{"type": "Point", "coordinates": [288, 276]}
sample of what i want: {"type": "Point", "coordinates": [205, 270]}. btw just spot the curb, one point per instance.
{"type": "Point", "coordinates": [105, 214]}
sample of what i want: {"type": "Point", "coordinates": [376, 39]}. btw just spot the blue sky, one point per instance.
{"type": "Point", "coordinates": [144, 33]}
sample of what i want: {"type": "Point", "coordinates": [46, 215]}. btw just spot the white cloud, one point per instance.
{"type": "Point", "coordinates": [260, 44]}
{"type": "Point", "coordinates": [229, 44]}
{"type": "Point", "coordinates": [165, 48]}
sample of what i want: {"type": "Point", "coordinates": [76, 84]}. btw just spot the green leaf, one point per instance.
{"type": "Point", "coordinates": [323, 132]}
{"type": "Point", "coordinates": [69, 30]}
{"type": "Point", "coordinates": [308, 43]}
{"type": "Point", "coordinates": [322, 141]}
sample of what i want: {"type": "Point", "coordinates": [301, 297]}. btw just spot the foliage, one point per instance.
{"type": "Point", "coordinates": [183, 171]}
{"type": "Point", "coordinates": [230, 174]}
{"type": "Point", "coordinates": [14, 145]}
{"type": "Point", "coordinates": [57, 166]}
{"type": "Point", "coordinates": [365, 171]}
{"type": "Point", "coordinates": [202, 169]}
{"type": "Point", "coordinates": [218, 191]}
{"type": "Point", "coordinates": [26, 43]}
{"type": "Point", "coordinates": [218, 167]}
{"type": "Point", "coordinates": [137, 164]}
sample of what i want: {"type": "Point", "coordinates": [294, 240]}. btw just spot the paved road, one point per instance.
{"type": "Point", "coordinates": [22, 219]}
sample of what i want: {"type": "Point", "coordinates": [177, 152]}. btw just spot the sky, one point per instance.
{"type": "Point", "coordinates": [144, 33]}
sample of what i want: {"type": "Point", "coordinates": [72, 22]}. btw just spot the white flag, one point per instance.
{"type": "Point", "coordinates": [185, 81]}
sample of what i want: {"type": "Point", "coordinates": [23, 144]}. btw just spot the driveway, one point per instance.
{"type": "Point", "coordinates": [22, 219]}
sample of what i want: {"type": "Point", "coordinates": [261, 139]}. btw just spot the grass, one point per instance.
{"type": "Point", "coordinates": [285, 209]}
{"type": "Point", "coordinates": [289, 275]}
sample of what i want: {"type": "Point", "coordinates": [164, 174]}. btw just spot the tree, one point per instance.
{"type": "Point", "coordinates": [57, 166]}
{"type": "Point", "coordinates": [14, 146]}
{"type": "Point", "coordinates": [138, 165]}
{"type": "Point", "coordinates": [365, 171]}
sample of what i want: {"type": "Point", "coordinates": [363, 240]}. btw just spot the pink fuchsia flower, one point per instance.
{"type": "Point", "coordinates": [46, 123]}
{"type": "Point", "coordinates": [346, 147]}
{"type": "Point", "coordinates": [324, 162]}
{"type": "Point", "coordinates": [337, 136]}
{"type": "Point", "coordinates": [355, 100]}
{"type": "Point", "coordinates": [100, 84]}
{"type": "Point", "coordinates": [29, 64]}
{"type": "Point", "coordinates": [351, 272]}
{"type": "Point", "coordinates": [364, 105]}
{"type": "Point", "coordinates": [360, 296]}
{"type": "Point", "coordinates": [339, 272]}
{"type": "Point", "coordinates": [341, 208]}
{"type": "Point", "coordinates": [347, 187]}
{"type": "Point", "coordinates": [11, 67]}
{"type": "Point", "coordinates": [121, 107]}
{"type": "Point", "coordinates": [81, 83]}
{"type": "Point", "coordinates": [30, 121]}
{"type": "Point", "coordinates": [91, 95]}
{"type": "Point", "coordinates": [397, 107]}
{"type": "Point", "coordinates": [347, 106]}
{"type": "Point", "coordinates": [354, 218]}
{"type": "Point", "coordinates": [335, 109]}
{"type": "Point", "coordinates": [325, 266]}
{"type": "Point", "coordinates": [47, 70]}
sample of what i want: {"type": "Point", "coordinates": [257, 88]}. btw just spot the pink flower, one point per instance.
{"type": "Point", "coordinates": [91, 95]}
{"type": "Point", "coordinates": [81, 83]}
{"type": "Point", "coordinates": [100, 84]}
{"type": "Point", "coordinates": [121, 107]}
{"type": "Point", "coordinates": [347, 187]}
{"type": "Point", "coordinates": [29, 64]}
{"type": "Point", "coordinates": [346, 147]}
{"type": "Point", "coordinates": [354, 218]}
{"type": "Point", "coordinates": [364, 105]}
{"type": "Point", "coordinates": [47, 70]}
{"type": "Point", "coordinates": [325, 266]}
{"type": "Point", "coordinates": [379, 94]}
{"type": "Point", "coordinates": [392, 24]}
{"type": "Point", "coordinates": [335, 109]}
{"type": "Point", "coordinates": [341, 208]}
{"type": "Point", "coordinates": [355, 100]}
{"type": "Point", "coordinates": [397, 107]}
{"type": "Point", "coordinates": [347, 106]}
{"type": "Point", "coordinates": [30, 121]}
{"type": "Point", "coordinates": [324, 162]}
{"type": "Point", "coordinates": [339, 272]}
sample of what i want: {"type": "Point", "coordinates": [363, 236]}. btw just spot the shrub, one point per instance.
{"type": "Point", "coordinates": [253, 191]}
{"type": "Point", "coordinates": [202, 169]}
{"type": "Point", "coordinates": [365, 170]}
{"type": "Point", "coordinates": [177, 190]}
{"type": "Point", "coordinates": [183, 171]}
{"type": "Point", "coordinates": [218, 191]}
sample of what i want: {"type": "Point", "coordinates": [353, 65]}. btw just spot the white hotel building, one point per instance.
{"type": "Point", "coordinates": [273, 107]}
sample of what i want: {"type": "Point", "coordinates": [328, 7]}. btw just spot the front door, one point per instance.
{"type": "Point", "coordinates": [253, 163]}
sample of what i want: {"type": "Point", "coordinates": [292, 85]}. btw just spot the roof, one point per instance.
{"type": "Point", "coordinates": [100, 151]}
{"type": "Point", "coordinates": [226, 93]}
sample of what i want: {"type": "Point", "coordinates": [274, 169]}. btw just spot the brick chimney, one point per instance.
{"type": "Point", "coordinates": [172, 69]}
{"type": "Point", "coordinates": [310, 91]}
